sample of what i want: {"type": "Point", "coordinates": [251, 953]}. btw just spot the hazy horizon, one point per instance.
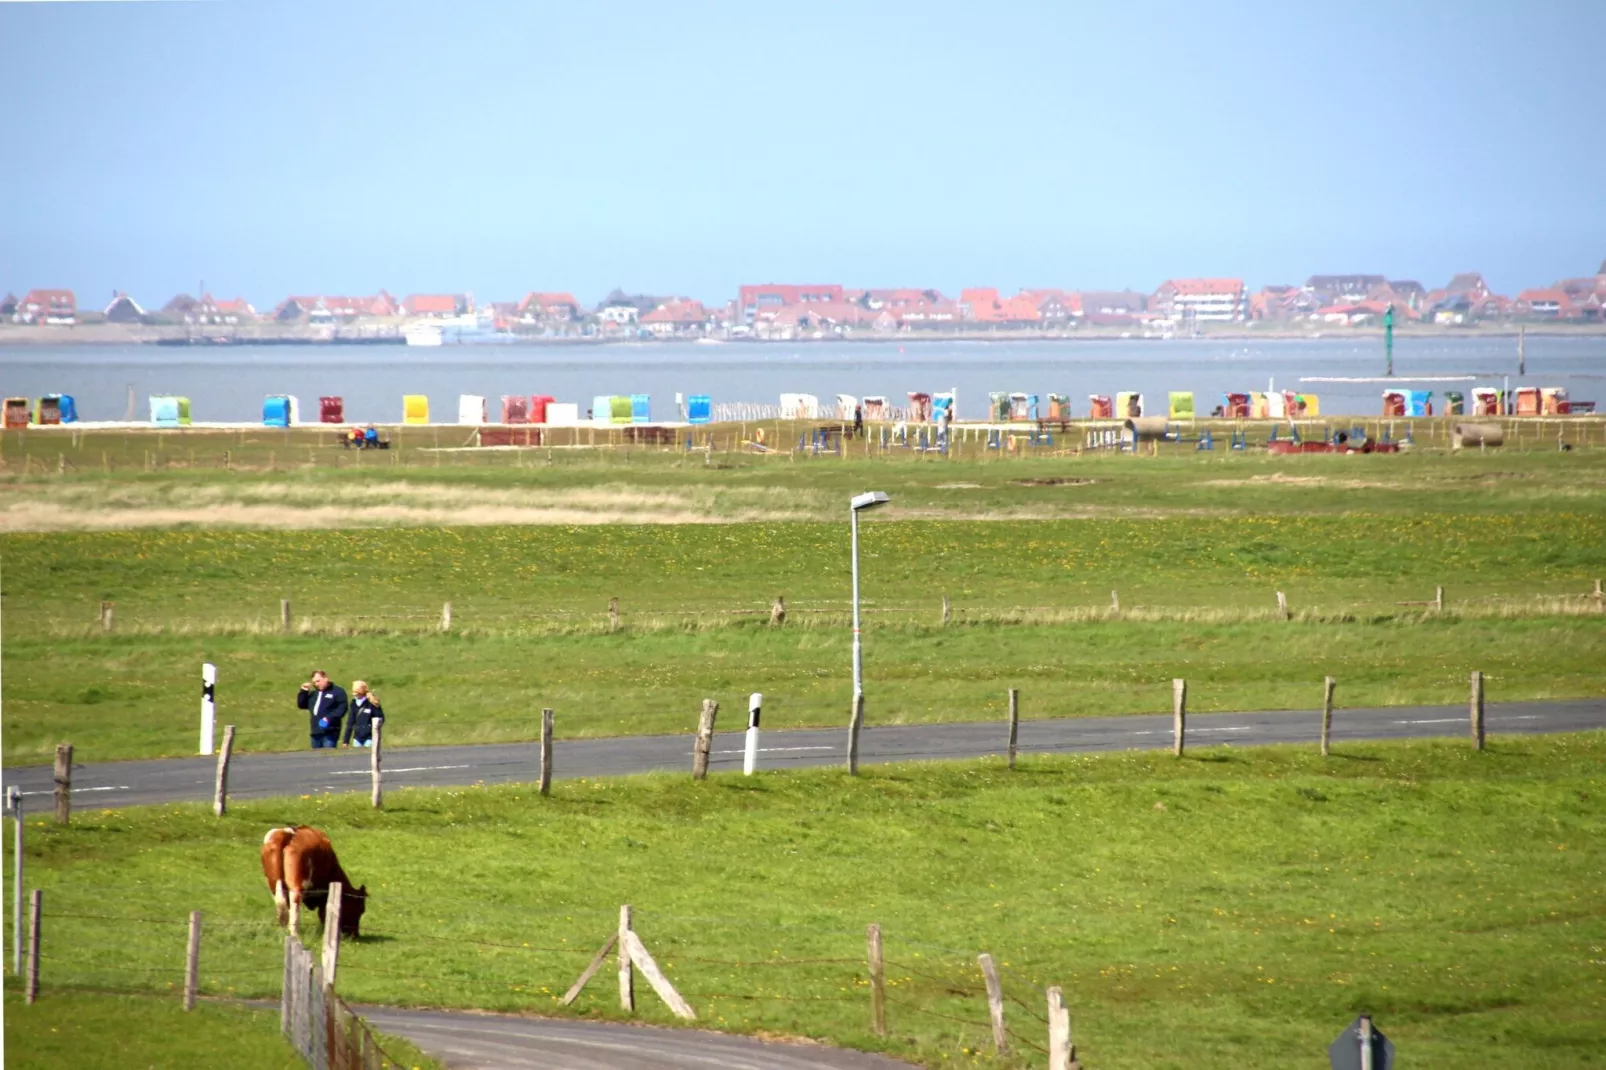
{"type": "Point", "coordinates": [497, 149]}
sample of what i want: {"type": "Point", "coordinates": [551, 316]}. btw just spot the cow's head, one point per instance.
{"type": "Point", "coordinates": [353, 903]}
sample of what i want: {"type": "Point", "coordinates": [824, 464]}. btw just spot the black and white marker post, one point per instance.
{"type": "Point", "coordinates": [208, 705]}
{"type": "Point", "coordinates": [755, 703]}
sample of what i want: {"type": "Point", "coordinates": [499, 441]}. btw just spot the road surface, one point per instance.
{"type": "Point", "coordinates": [255, 776]}
{"type": "Point", "coordinates": [466, 1040]}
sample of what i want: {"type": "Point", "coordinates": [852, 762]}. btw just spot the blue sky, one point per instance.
{"type": "Point", "coordinates": [499, 148]}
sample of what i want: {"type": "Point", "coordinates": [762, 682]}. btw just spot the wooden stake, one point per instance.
{"type": "Point", "coordinates": [1179, 715]}
{"type": "Point", "coordinates": [1438, 599]}
{"type": "Point", "coordinates": [446, 617]}
{"type": "Point", "coordinates": [220, 796]}
{"type": "Point", "coordinates": [284, 614]}
{"type": "Point", "coordinates": [590, 971]}
{"type": "Point", "coordinates": [627, 978]}
{"type": "Point", "coordinates": [1282, 605]}
{"type": "Point", "coordinates": [1598, 595]}
{"type": "Point", "coordinates": [947, 610]}
{"type": "Point", "coordinates": [1059, 1031]}
{"type": "Point", "coordinates": [878, 982]}
{"type": "Point", "coordinates": [63, 777]}
{"type": "Point", "coordinates": [1014, 723]}
{"type": "Point", "coordinates": [331, 932]}
{"type": "Point", "coordinates": [1328, 683]}
{"type": "Point", "coordinates": [613, 614]}
{"type": "Point", "coordinates": [995, 1002]}
{"type": "Point", "coordinates": [855, 722]}
{"type": "Point", "coordinates": [704, 740]}
{"type": "Point", "coordinates": [1115, 602]}
{"type": "Point", "coordinates": [778, 612]}
{"type": "Point", "coordinates": [35, 906]}
{"type": "Point", "coordinates": [107, 614]}
{"type": "Point", "coordinates": [375, 762]}
{"type": "Point", "coordinates": [655, 977]}
{"type": "Point", "coordinates": [1475, 711]}
{"type": "Point", "coordinates": [192, 960]}
{"type": "Point", "coordinates": [546, 752]}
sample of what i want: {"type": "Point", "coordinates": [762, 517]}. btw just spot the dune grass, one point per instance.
{"type": "Point", "coordinates": [1236, 907]}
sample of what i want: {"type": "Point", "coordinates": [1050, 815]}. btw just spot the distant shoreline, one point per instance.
{"type": "Point", "coordinates": [109, 334]}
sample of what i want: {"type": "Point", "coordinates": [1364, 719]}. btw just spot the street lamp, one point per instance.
{"type": "Point", "coordinates": [867, 500]}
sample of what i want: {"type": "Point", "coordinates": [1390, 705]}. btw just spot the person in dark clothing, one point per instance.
{"type": "Point", "coordinates": [325, 703]}
{"type": "Point", "coordinates": [365, 712]}
{"type": "Point", "coordinates": [858, 420]}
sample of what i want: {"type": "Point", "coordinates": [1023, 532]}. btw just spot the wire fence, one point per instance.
{"type": "Point", "coordinates": [498, 618]}
{"type": "Point", "coordinates": [816, 978]}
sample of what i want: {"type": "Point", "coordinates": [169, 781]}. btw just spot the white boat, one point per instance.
{"type": "Point", "coordinates": [465, 330]}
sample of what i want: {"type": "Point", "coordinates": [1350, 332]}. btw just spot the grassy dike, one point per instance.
{"type": "Point", "coordinates": [1236, 907]}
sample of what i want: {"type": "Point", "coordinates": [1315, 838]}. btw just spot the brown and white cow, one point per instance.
{"type": "Point", "coordinates": [300, 864]}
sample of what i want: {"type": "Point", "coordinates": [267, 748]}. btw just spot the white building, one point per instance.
{"type": "Point", "coordinates": [1202, 300]}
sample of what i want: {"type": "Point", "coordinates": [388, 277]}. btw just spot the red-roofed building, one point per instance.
{"type": "Point", "coordinates": [774, 296]}
{"type": "Point", "coordinates": [1202, 300]}
{"type": "Point", "coordinates": [899, 298]}
{"type": "Point", "coordinates": [236, 310]}
{"type": "Point", "coordinates": [1546, 304]}
{"type": "Point", "coordinates": [549, 307]}
{"type": "Point", "coordinates": [55, 307]}
{"type": "Point", "coordinates": [681, 316]}
{"type": "Point", "coordinates": [926, 315]}
{"type": "Point", "coordinates": [434, 306]}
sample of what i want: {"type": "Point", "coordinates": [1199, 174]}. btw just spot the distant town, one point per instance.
{"type": "Point", "coordinates": [785, 312]}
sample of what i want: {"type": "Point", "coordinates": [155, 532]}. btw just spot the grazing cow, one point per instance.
{"type": "Point", "coordinates": [300, 864]}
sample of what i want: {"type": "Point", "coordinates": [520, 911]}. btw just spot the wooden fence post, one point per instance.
{"type": "Point", "coordinates": [284, 614]}
{"type": "Point", "coordinates": [947, 610]}
{"type": "Point", "coordinates": [546, 752]}
{"type": "Point", "coordinates": [1115, 602]}
{"type": "Point", "coordinates": [192, 960]}
{"type": "Point", "coordinates": [995, 1001]}
{"type": "Point", "coordinates": [107, 615]}
{"type": "Point", "coordinates": [1059, 1031]}
{"type": "Point", "coordinates": [655, 977]}
{"type": "Point", "coordinates": [1282, 605]}
{"type": "Point", "coordinates": [376, 757]}
{"type": "Point", "coordinates": [63, 777]}
{"type": "Point", "coordinates": [878, 982]}
{"type": "Point", "coordinates": [1014, 723]}
{"type": "Point", "coordinates": [855, 722]}
{"type": "Point", "coordinates": [778, 612]}
{"type": "Point", "coordinates": [331, 932]}
{"type": "Point", "coordinates": [220, 796]}
{"type": "Point", "coordinates": [36, 905]}
{"type": "Point", "coordinates": [446, 617]}
{"type": "Point", "coordinates": [705, 739]}
{"type": "Point", "coordinates": [1438, 599]}
{"type": "Point", "coordinates": [613, 614]}
{"type": "Point", "coordinates": [1328, 684]}
{"type": "Point", "coordinates": [627, 977]}
{"type": "Point", "coordinates": [1475, 712]}
{"type": "Point", "coordinates": [1179, 715]}
{"type": "Point", "coordinates": [1598, 595]}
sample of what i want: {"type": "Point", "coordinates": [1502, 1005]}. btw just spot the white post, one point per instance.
{"type": "Point", "coordinates": [15, 798]}
{"type": "Point", "coordinates": [208, 705]}
{"type": "Point", "coordinates": [755, 703]}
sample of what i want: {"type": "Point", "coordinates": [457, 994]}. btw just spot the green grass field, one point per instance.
{"type": "Point", "coordinates": [1237, 907]}
{"type": "Point", "coordinates": [1196, 548]}
{"type": "Point", "coordinates": [102, 1030]}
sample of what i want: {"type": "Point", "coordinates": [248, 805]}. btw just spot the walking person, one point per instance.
{"type": "Point", "coordinates": [365, 713]}
{"type": "Point", "coordinates": [325, 703]}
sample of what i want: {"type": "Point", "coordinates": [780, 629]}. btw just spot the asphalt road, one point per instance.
{"type": "Point", "coordinates": [254, 776]}
{"type": "Point", "coordinates": [466, 1039]}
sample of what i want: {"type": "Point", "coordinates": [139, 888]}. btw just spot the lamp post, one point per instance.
{"type": "Point", "coordinates": [867, 500]}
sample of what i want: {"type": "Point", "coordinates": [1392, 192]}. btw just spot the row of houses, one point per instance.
{"type": "Point", "coordinates": [779, 310]}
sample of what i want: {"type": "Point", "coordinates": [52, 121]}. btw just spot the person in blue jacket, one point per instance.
{"type": "Point", "coordinates": [325, 703]}
{"type": "Point", "coordinates": [365, 713]}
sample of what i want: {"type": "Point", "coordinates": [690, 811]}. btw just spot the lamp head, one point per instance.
{"type": "Point", "coordinates": [868, 500]}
